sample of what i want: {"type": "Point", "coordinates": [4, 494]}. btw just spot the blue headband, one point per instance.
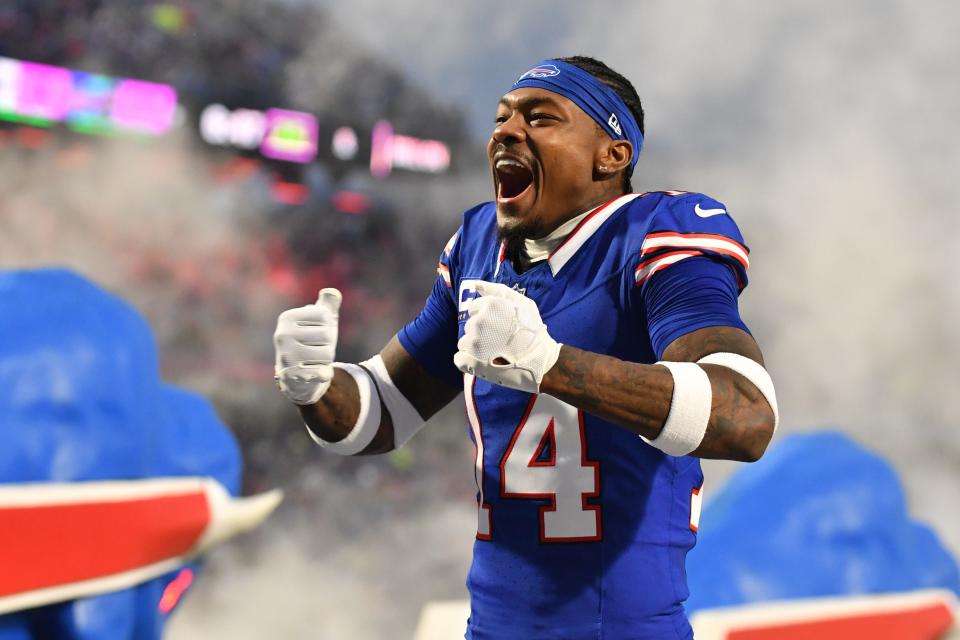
{"type": "Point", "coordinates": [596, 99]}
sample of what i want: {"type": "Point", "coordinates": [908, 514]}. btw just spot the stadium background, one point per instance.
{"type": "Point", "coordinates": [829, 130]}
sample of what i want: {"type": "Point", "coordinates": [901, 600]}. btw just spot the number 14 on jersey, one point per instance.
{"type": "Point", "coordinates": [546, 459]}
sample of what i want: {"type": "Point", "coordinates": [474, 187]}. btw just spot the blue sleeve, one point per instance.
{"type": "Point", "coordinates": [689, 295]}
{"type": "Point", "coordinates": [431, 338]}
{"type": "Point", "coordinates": [691, 224]}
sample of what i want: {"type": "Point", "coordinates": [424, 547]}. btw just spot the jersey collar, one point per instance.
{"type": "Point", "coordinates": [578, 237]}
{"type": "Point", "coordinates": [583, 232]}
{"type": "Point", "coordinates": [542, 248]}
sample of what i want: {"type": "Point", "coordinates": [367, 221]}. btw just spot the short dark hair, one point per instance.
{"type": "Point", "coordinates": [620, 85]}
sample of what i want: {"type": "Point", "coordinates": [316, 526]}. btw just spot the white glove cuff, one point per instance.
{"type": "Point", "coordinates": [406, 420]}
{"type": "Point", "coordinates": [368, 422]}
{"type": "Point", "coordinates": [752, 371]}
{"type": "Point", "coordinates": [689, 413]}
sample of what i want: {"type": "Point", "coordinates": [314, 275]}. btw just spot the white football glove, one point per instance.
{"type": "Point", "coordinates": [306, 342]}
{"type": "Point", "coordinates": [504, 340]}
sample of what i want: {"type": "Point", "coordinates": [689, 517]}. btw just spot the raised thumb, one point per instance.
{"type": "Point", "coordinates": [330, 298]}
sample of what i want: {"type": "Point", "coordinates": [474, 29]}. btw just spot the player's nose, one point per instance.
{"type": "Point", "coordinates": [510, 130]}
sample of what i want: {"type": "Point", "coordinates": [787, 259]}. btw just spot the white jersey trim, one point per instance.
{"type": "Point", "coordinates": [579, 236]}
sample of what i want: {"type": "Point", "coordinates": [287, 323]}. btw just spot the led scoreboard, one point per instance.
{"type": "Point", "coordinates": [42, 95]}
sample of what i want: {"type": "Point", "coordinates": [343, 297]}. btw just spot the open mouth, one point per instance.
{"type": "Point", "coordinates": [513, 178]}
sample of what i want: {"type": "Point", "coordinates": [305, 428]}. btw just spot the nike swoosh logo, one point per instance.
{"type": "Point", "coordinates": [706, 213]}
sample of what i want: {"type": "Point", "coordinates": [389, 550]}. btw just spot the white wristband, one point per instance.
{"type": "Point", "coordinates": [368, 422]}
{"type": "Point", "coordinates": [752, 371]}
{"type": "Point", "coordinates": [406, 420]}
{"type": "Point", "coordinates": [689, 410]}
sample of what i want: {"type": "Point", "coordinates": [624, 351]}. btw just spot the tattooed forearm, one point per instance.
{"type": "Point", "coordinates": [631, 395]}
{"type": "Point", "coordinates": [740, 420]}
{"type": "Point", "coordinates": [581, 374]}
{"type": "Point", "coordinates": [637, 396]}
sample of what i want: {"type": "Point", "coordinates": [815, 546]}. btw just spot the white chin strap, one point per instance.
{"type": "Point", "coordinates": [692, 399]}
{"type": "Point", "coordinates": [374, 383]}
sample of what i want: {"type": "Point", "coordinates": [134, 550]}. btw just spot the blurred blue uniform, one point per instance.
{"type": "Point", "coordinates": [583, 527]}
{"type": "Point", "coordinates": [80, 400]}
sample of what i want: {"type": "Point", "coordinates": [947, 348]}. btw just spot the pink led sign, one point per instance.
{"type": "Point", "coordinates": [43, 91]}
{"type": "Point", "coordinates": [289, 135]}
{"type": "Point", "coordinates": [144, 106]}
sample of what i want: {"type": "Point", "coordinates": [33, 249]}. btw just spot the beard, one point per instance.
{"type": "Point", "coordinates": [514, 235]}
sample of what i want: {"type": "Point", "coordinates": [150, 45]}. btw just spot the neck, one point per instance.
{"type": "Point", "coordinates": [604, 193]}
{"type": "Point", "coordinates": [541, 248]}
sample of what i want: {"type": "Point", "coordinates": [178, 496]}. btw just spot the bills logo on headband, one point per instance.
{"type": "Point", "coordinates": [615, 124]}
{"type": "Point", "coordinates": [541, 71]}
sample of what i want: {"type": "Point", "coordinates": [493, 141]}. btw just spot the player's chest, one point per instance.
{"type": "Point", "coordinates": [592, 315]}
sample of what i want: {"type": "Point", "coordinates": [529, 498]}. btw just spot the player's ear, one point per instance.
{"type": "Point", "coordinates": [612, 158]}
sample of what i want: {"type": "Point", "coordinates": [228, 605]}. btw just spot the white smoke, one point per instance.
{"type": "Point", "coordinates": [830, 131]}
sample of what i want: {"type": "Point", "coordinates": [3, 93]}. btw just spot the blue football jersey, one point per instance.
{"type": "Point", "coordinates": [583, 528]}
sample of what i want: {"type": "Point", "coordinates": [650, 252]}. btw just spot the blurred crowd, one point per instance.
{"type": "Point", "coordinates": [195, 236]}
{"type": "Point", "coordinates": [236, 52]}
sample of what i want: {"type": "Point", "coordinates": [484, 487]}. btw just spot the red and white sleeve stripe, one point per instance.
{"type": "Point", "coordinates": [444, 272]}
{"type": "Point", "coordinates": [448, 248]}
{"type": "Point", "coordinates": [661, 250]}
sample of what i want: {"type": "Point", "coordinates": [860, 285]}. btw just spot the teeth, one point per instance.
{"type": "Point", "coordinates": [507, 162]}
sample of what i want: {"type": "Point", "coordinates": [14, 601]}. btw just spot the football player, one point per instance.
{"type": "Point", "coordinates": [595, 336]}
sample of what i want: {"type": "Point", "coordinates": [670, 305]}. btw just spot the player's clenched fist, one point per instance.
{"type": "Point", "coordinates": [504, 339]}
{"type": "Point", "coordinates": [305, 342]}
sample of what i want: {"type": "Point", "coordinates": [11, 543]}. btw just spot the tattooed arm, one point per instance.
{"type": "Point", "coordinates": [637, 396]}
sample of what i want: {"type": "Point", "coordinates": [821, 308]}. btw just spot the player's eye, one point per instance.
{"type": "Point", "coordinates": [538, 116]}
{"type": "Point", "coordinates": [500, 119]}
